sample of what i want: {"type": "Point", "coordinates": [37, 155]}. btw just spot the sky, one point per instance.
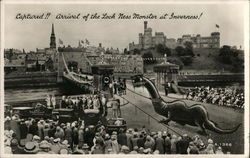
{"type": "Point", "coordinates": [31, 34]}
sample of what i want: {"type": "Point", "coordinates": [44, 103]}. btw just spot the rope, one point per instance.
{"type": "Point", "coordinates": [150, 98]}
{"type": "Point", "coordinates": [152, 116]}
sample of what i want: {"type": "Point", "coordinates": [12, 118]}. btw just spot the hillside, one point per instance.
{"type": "Point", "coordinates": [205, 60]}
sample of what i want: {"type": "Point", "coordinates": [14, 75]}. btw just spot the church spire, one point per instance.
{"type": "Point", "coordinates": [52, 32]}
{"type": "Point", "coordinates": [52, 38]}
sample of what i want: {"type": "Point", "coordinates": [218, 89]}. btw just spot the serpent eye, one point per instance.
{"type": "Point", "coordinates": [140, 79]}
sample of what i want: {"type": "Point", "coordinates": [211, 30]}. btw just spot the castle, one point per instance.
{"type": "Point", "coordinates": [198, 41]}
{"type": "Point", "coordinates": [147, 40]}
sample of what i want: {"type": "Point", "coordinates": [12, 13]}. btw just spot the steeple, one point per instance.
{"type": "Point", "coordinates": [52, 29]}
{"type": "Point", "coordinates": [52, 38]}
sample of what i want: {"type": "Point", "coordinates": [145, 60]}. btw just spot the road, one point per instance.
{"type": "Point", "coordinates": [225, 117]}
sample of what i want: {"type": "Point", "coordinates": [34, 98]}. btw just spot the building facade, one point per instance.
{"type": "Point", "coordinates": [212, 41]}
{"type": "Point", "coordinates": [83, 60]}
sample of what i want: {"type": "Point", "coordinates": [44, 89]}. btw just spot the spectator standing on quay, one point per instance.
{"type": "Point", "coordinates": [48, 101]}
{"type": "Point", "coordinates": [53, 101]}
{"type": "Point", "coordinates": [115, 86]}
{"type": "Point", "coordinates": [104, 105]}
{"type": "Point", "coordinates": [114, 105]}
{"type": "Point", "coordinates": [119, 113]}
{"type": "Point", "coordinates": [111, 88]}
{"type": "Point", "coordinates": [63, 103]}
{"type": "Point", "coordinates": [159, 143]}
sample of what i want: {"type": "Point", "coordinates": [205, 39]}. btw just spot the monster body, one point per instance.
{"type": "Point", "coordinates": [178, 111]}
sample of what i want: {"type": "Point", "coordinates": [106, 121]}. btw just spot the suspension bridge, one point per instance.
{"type": "Point", "coordinates": [83, 81]}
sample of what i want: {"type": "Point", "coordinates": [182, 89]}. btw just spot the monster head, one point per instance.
{"type": "Point", "coordinates": [138, 80]}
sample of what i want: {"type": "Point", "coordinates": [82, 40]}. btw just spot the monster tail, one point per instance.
{"type": "Point", "coordinates": [213, 127]}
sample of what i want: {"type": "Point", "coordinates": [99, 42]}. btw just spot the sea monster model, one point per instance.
{"type": "Point", "coordinates": [178, 111]}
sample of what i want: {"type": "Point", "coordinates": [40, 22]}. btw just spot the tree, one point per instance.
{"type": "Point", "coordinates": [187, 60]}
{"type": "Point", "coordinates": [177, 62]}
{"type": "Point", "coordinates": [137, 51]}
{"type": "Point", "coordinates": [125, 51]}
{"type": "Point", "coordinates": [180, 50]}
{"type": "Point", "coordinates": [163, 49]}
{"type": "Point", "coordinates": [189, 48]}
{"type": "Point", "coordinates": [231, 57]}
{"type": "Point", "coordinates": [148, 58]}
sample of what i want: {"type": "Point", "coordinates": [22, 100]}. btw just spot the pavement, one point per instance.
{"type": "Point", "coordinates": [225, 117]}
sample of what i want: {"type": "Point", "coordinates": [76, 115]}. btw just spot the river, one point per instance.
{"type": "Point", "coordinates": [33, 93]}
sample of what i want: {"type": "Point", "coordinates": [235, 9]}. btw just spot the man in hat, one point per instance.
{"type": "Point", "coordinates": [59, 133]}
{"type": "Point", "coordinates": [31, 148]}
{"type": "Point", "coordinates": [149, 143]}
{"type": "Point", "coordinates": [129, 135]}
{"type": "Point", "coordinates": [56, 147]}
{"type": "Point", "coordinates": [192, 148]}
{"type": "Point", "coordinates": [81, 136]}
{"type": "Point", "coordinates": [115, 145]}
{"type": "Point", "coordinates": [63, 103]}
{"type": "Point", "coordinates": [45, 147]}
{"type": "Point", "coordinates": [122, 137]}
{"type": "Point", "coordinates": [23, 129]}
{"type": "Point", "coordinates": [159, 143]}
{"type": "Point", "coordinates": [21, 146]}
{"type": "Point", "coordinates": [134, 139]}
{"type": "Point", "coordinates": [125, 150]}
{"type": "Point", "coordinates": [183, 144]}
{"type": "Point", "coordinates": [107, 143]}
{"type": "Point", "coordinates": [68, 135]}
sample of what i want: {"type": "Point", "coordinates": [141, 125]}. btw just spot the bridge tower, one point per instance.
{"type": "Point", "coordinates": [103, 75]}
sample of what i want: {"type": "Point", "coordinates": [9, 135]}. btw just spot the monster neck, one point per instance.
{"type": "Point", "coordinates": [152, 89]}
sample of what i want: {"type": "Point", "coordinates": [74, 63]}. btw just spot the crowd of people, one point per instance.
{"type": "Point", "coordinates": [79, 103]}
{"type": "Point", "coordinates": [32, 136]}
{"type": "Point", "coordinates": [229, 97]}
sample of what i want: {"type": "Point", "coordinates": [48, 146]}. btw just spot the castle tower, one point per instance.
{"type": "Point", "coordinates": [52, 38]}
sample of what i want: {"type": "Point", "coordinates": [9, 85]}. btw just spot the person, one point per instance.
{"type": "Point", "coordinates": [174, 145]}
{"type": "Point", "coordinates": [183, 144]}
{"type": "Point", "coordinates": [81, 136]}
{"type": "Point", "coordinates": [119, 113]}
{"type": "Point", "coordinates": [122, 137]}
{"type": "Point", "coordinates": [59, 133]}
{"type": "Point", "coordinates": [149, 143]}
{"type": "Point", "coordinates": [63, 103]}
{"type": "Point", "coordinates": [166, 89]}
{"type": "Point", "coordinates": [114, 105]}
{"type": "Point", "coordinates": [48, 101]}
{"type": "Point", "coordinates": [104, 105]}
{"type": "Point", "coordinates": [115, 87]}
{"type": "Point", "coordinates": [111, 89]}
{"type": "Point", "coordinates": [124, 86]}
{"type": "Point", "coordinates": [53, 101]}
{"type": "Point", "coordinates": [114, 144]}
{"type": "Point", "coordinates": [68, 135]}
{"type": "Point", "coordinates": [167, 143]}
{"type": "Point", "coordinates": [159, 143]}
{"type": "Point", "coordinates": [96, 103]}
